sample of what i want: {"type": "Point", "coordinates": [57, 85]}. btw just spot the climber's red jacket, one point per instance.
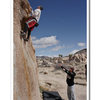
{"type": "Point", "coordinates": [31, 22]}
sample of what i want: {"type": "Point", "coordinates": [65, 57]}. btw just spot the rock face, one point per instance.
{"type": "Point", "coordinates": [26, 86]}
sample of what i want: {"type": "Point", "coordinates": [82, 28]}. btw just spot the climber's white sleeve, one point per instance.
{"type": "Point", "coordinates": [36, 13]}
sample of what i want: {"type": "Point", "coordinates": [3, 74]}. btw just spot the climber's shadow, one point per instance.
{"type": "Point", "coordinates": [22, 23]}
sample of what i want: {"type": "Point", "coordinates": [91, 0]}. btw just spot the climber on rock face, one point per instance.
{"type": "Point", "coordinates": [32, 22]}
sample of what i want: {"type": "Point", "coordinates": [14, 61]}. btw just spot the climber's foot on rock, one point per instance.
{"type": "Point", "coordinates": [25, 39]}
{"type": "Point", "coordinates": [22, 33]}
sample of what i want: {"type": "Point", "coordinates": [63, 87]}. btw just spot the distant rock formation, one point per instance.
{"type": "Point", "coordinates": [26, 86]}
{"type": "Point", "coordinates": [77, 58]}
{"type": "Point", "coordinates": [80, 56]}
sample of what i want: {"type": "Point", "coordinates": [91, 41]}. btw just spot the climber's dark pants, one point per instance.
{"type": "Point", "coordinates": [29, 33]}
{"type": "Point", "coordinates": [27, 29]}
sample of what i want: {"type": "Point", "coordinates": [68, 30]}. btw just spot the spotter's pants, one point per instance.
{"type": "Point", "coordinates": [70, 92]}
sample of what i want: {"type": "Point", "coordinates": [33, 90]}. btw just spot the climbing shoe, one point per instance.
{"type": "Point", "coordinates": [22, 33]}
{"type": "Point", "coordinates": [25, 39]}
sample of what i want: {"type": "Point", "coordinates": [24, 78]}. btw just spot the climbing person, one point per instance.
{"type": "Point", "coordinates": [32, 22]}
{"type": "Point", "coordinates": [70, 82]}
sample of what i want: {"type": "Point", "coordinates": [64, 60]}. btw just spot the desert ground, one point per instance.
{"type": "Point", "coordinates": [52, 79]}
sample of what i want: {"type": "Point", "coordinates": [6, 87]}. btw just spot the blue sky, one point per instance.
{"type": "Point", "coordinates": [62, 27]}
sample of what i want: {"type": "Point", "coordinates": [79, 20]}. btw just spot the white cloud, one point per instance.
{"type": "Point", "coordinates": [39, 55]}
{"type": "Point", "coordinates": [57, 48]}
{"type": "Point", "coordinates": [74, 51]}
{"type": "Point", "coordinates": [33, 37]}
{"type": "Point", "coordinates": [45, 42]}
{"type": "Point", "coordinates": [81, 44]}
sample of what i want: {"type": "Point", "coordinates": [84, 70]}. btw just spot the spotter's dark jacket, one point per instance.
{"type": "Point", "coordinates": [70, 77]}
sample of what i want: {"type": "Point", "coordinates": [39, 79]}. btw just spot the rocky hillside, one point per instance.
{"type": "Point", "coordinates": [78, 58]}
{"type": "Point", "coordinates": [25, 67]}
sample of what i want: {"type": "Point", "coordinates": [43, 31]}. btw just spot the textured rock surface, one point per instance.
{"type": "Point", "coordinates": [26, 85]}
{"type": "Point", "coordinates": [79, 56]}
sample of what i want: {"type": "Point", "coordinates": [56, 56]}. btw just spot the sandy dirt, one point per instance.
{"type": "Point", "coordinates": [55, 80]}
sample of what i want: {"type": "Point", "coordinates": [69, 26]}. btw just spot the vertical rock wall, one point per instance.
{"type": "Point", "coordinates": [26, 85]}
